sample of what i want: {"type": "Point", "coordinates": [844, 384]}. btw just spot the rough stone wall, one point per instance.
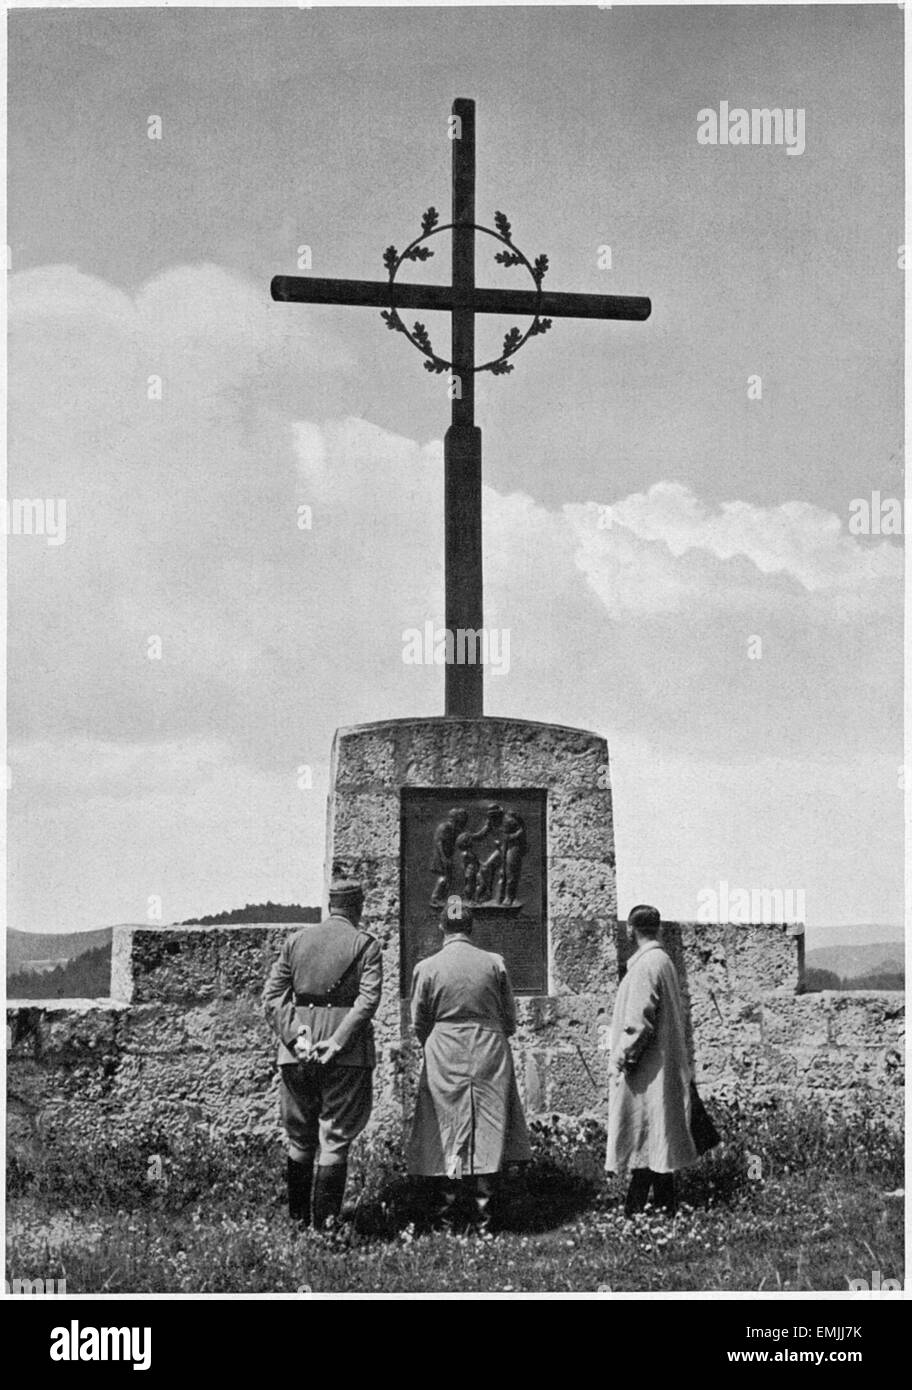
{"type": "Point", "coordinates": [754, 1032]}
{"type": "Point", "coordinates": [186, 1041]}
{"type": "Point", "coordinates": [183, 1039]}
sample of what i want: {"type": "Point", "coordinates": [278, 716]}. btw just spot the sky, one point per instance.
{"type": "Point", "coordinates": [667, 543]}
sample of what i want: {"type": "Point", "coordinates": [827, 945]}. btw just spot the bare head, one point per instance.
{"type": "Point", "coordinates": [643, 923]}
{"type": "Point", "coordinates": [456, 916]}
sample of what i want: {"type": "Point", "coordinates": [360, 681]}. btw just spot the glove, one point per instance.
{"type": "Point", "coordinates": [324, 1052]}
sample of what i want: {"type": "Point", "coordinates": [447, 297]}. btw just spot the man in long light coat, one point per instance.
{"type": "Point", "coordinates": [649, 1102]}
{"type": "Point", "coordinates": [468, 1118]}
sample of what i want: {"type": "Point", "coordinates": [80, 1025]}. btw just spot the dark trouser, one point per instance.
{"type": "Point", "coordinates": [642, 1180]}
{"type": "Point", "coordinates": [323, 1109]}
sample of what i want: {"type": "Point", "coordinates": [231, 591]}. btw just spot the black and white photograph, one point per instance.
{"type": "Point", "coordinates": [455, 786]}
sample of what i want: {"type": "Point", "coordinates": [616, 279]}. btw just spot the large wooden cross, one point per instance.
{"type": "Point", "coordinates": [462, 443]}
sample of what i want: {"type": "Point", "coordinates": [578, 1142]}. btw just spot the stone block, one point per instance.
{"type": "Point", "coordinates": [580, 888]}
{"type": "Point", "coordinates": [79, 1037]}
{"type": "Point", "coordinates": [156, 1028]}
{"type": "Point", "coordinates": [175, 964]}
{"type": "Point", "coordinates": [469, 752]}
{"type": "Point", "coordinates": [580, 824]}
{"type": "Point", "coordinates": [418, 764]}
{"type": "Point", "coordinates": [763, 957]}
{"type": "Point", "coordinates": [365, 824]}
{"type": "Point", "coordinates": [122, 964]}
{"type": "Point", "coordinates": [858, 1018]}
{"type": "Point", "coordinates": [802, 1022]}
{"type": "Point", "coordinates": [719, 1025]}
{"type": "Point", "coordinates": [564, 1019]}
{"type": "Point", "coordinates": [25, 1033]}
{"type": "Point", "coordinates": [381, 913]}
{"type": "Point", "coordinates": [364, 758]}
{"type": "Point", "coordinates": [582, 956]}
{"type": "Point", "coordinates": [577, 1085]}
{"type": "Point", "coordinates": [703, 946]}
{"type": "Point", "coordinates": [544, 754]}
{"type": "Point", "coordinates": [221, 1085]}
{"type": "Point", "coordinates": [245, 955]}
{"type": "Point", "coordinates": [378, 874]}
{"type": "Point", "coordinates": [222, 1026]}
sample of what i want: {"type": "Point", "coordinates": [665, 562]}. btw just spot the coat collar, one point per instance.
{"type": "Point", "coordinates": [646, 946]}
{"type": "Point", "coordinates": [339, 917]}
{"type": "Point", "coordinates": [457, 936]}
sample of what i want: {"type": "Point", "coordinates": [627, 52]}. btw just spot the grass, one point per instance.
{"type": "Point", "coordinates": [209, 1219]}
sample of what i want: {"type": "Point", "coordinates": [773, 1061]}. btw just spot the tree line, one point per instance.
{"type": "Point", "coordinates": [816, 979]}
{"type": "Point", "coordinates": [85, 977]}
{"type": "Point", "coordinates": [257, 912]}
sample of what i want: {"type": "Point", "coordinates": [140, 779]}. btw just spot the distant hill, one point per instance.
{"type": "Point", "coordinates": [42, 951]}
{"type": "Point", "coordinates": [862, 934]}
{"type": "Point", "coordinates": [77, 965]}
{"type": "Point", "coordinates": [876, 965]}
{"type": "Point", "coordinates": [86, 976]}
{"type": "Point", "coordinates": [257, 912]}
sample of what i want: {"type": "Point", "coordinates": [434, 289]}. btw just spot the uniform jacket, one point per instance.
{"type": "Point", "coordinates": [649, 1099]}
{"type": "Point", "coordinates": [468, 1116]}
{"type": "Point", "coordinates": [339, 965]}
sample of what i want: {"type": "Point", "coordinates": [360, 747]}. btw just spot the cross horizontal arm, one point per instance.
{"type": "Point", "coordinates": [378, 295]}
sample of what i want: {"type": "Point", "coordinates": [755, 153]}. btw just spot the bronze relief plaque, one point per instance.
{"type": "Point", "coordinates": [489, 846]}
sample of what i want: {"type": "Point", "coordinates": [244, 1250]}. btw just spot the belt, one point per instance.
{"type": "Point", "coordinates": [320, 1001]}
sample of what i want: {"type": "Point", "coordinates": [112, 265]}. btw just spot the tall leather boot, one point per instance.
{"type": "Point", "coordinates": [299, 1174]}
{"type": "Point", "coordinates": [329, 1190]}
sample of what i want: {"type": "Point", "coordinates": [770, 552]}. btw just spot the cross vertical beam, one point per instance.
{"type": "Point", "coordinates": [463, 326]}
{"type": "Point", "coordinates": [462, 443]}
{"type": "Point", "coordinates": [464, 683]}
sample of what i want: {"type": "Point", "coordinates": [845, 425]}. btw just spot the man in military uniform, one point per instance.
{"type": "Point", "coordinates": [320, 997]}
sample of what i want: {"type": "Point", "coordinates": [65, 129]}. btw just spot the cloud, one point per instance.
{"type": "Point", "coordinates": [183, 526]}
{"type": "Point", "coordinates": [661, 550]}
{"type": "Point", "coordinates": [181, 504]}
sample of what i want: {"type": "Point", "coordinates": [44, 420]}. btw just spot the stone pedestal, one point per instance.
{"type": "Point", "coordinates": [560, 1048]}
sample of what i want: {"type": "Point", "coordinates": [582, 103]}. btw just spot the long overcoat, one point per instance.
{"type": "Point", "coordinates": [649, 1097]}
{"type": "Point", "coordinates": [468, 1116]}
